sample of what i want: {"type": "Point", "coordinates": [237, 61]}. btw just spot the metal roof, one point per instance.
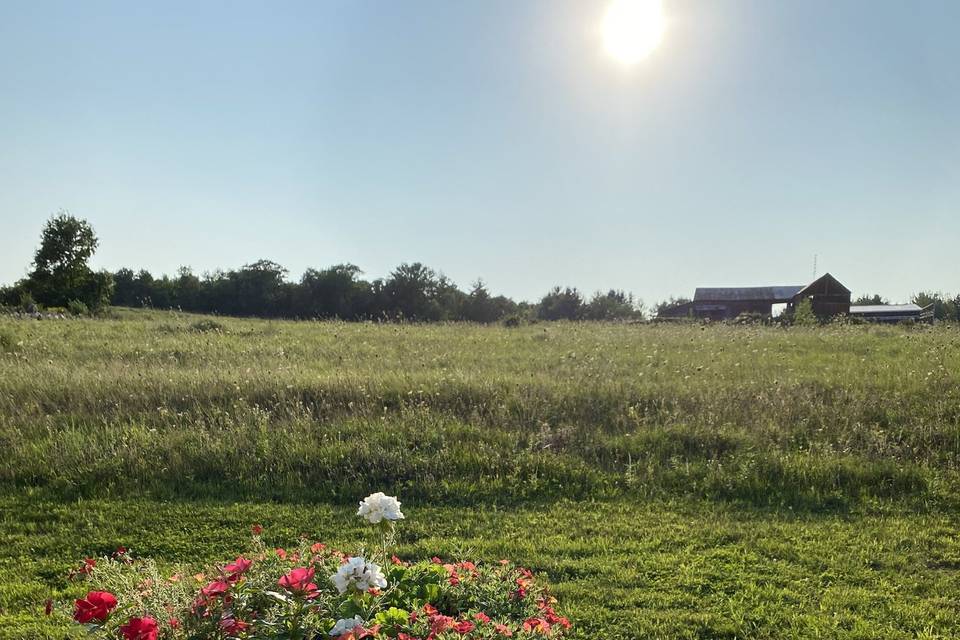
{"type": "Point", "coordinates": [773, 294]}
{"type": "Point", "coordinates": [885, 308]}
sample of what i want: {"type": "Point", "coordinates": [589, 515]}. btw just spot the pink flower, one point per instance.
{"type": "Point", "coordinates": [140, 629]}
{"type": "Point", "coordinates": [464, 626]}
{"type": "Point", "coordinates": [503, 630]}
{"type": "Point", "coordinates": [536, 625]}
{"type": "Point", "coordinates": [299, 582]}
{"type": "Point", "coordinates": [481, 617]}
{"type": "Point", "coordinates": [237, 568]}
{"type": "Point", "coordinates": [215, 589]}
{"type": "Point", "coordinates": [95, 607]}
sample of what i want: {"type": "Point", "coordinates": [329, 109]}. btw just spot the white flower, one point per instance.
{"type": "Point", "coordinates": [376, 507]}
{"type": "Point", "coordinates": [346, 624]}
{"type": "Point", "coordinates": [359, 574]}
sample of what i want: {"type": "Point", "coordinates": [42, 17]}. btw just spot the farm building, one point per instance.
{"type": "Point", "coordinates": [827, 296]}
{"type": "Point", "coordinates": [892, 313]}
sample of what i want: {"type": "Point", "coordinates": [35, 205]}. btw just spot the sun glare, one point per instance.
{"type": "Point", "coordinates": [632, 29]}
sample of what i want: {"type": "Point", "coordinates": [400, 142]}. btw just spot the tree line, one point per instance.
{"type": "Point", "coordinates": [61, 277]}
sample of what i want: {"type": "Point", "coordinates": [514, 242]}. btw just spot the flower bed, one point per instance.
{"type": "Point", "coordinates": [312, 591]}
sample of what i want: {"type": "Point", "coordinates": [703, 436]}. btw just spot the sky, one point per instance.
{"type": "Point", "coordinates": [491, 138]}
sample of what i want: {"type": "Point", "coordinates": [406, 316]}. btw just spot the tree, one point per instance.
{"type": "Point", "coordinates": [669, 304]}
{"type": "Point", "coordinates": [480, 306]}
{"type": "Point", "coordinates": [612, 305]}
{"type": "Point", "coordinates": [60, 266]}
{"type": "Point", "coordinates": [865, 300]}
{"type": "Point", "coordinates": [561, 304]}
{"type": "Point", "coordinates": [411, 291]}
{"type": "Point", "coordinates": [335, 292]}
{"type": "Point", "coordinates": [943, 307]}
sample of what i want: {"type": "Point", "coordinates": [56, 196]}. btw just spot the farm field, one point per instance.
{"type": "Point", "coordinates": [668, 481]}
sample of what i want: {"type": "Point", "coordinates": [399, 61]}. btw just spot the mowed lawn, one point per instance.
{"type": "Point", "coordinates": [668, 481]}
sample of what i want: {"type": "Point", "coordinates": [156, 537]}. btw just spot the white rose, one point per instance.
{"type": "Point", "coordinates": [346, 624]}
{"type": "Point", "coordinates": [377, 507]}
{"type": "Point", "coordinates": [358, 574]}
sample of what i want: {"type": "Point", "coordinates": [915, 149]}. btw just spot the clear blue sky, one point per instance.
{"type": "Point", "coordinates": [491, 138]}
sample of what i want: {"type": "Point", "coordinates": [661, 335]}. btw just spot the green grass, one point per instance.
{"type": "Point", "coordinates": [670, 481]}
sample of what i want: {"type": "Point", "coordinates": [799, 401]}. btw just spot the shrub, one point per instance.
{"type": "Point", "coordinates": [77, 308]}
{"type": "Point", "coordinates": [313, 591]}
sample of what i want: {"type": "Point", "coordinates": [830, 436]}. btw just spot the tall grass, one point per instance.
{"type": "Point", "coordinates": [810, 418]}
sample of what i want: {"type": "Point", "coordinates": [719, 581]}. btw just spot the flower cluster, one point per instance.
{"type": "Point", "coordinates": [312, 591]}
{"type": "Point", "coordinates": [378, 507]}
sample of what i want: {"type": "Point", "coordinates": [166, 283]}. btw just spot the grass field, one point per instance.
{"type": "Point", "coordinates": [669, 481]}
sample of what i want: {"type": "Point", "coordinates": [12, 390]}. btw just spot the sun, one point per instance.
{"type": "Point", "coordinates": [632, 29]}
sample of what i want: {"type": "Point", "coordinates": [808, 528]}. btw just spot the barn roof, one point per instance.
{"type": "Point", "coordinates": [773, 294]}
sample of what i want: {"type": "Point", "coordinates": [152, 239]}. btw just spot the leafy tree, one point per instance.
{"type": "Point", "coordinates": [865, 300]}
{"type": "Point", "coordinates": [561, 304]}
{"type": "Point", "coordinates": [803, 314]}
{"type": "Point", "coordinates": [671, 303]}
{"type": "Point", "coordinates": [411, 293]}
{"type": "Point", "coordinates": [613, 305]}
{"type": "Point", "coordinates": [943, 307]}
{"type": "Point", "coordinates": [61, 272]}
{"type": "Point", "coordinates": [335, 292]}
{"type": "Point", "coordinates": [480, 306]}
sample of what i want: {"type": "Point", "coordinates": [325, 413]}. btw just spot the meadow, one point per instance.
{"type": "Point", "coordinates": [669, 481]}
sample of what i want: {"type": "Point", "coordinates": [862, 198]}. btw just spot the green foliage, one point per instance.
{"type": "Point", "coordinates": [864, 300]}
{"type": "Point", "coordinates": [803, 315]}
{"type": "Point", "coordinates": [561, 304]}
{"type": "Point", "coordinates": [613, 305]}
{"type": "Point", "coordinates": [944, 308]}
{"type": "Point", "coordinates": [77, 308]}
{"type": "Point", "coordinates": [60, 271]}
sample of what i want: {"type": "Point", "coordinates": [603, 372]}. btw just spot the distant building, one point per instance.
{"type": "Point", "coordinates": [892, 313]}
{"type": "Point", "coordinates": [827, 296]}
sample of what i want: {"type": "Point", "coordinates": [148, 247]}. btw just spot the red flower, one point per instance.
{"type": "Point", "coordinates": [439, 623]}
{"type": "Point", "coordinates": [298, 581]}
{"type": "Point", "coordinates": [429, 609]}
{"type": "Point", "coordinates": [481, 617]}
{"type": "Point", "coordinates": [436, 560]}
{"type": "Point", "coordinates": [233, 626]}
{"type": "Point", "coordinates": [503, 630]}
{"type": "Point", "coordinates": [237, 568]}
{"type": "Point", "coordinates": [88, 565]}
{"type": "Point", "coordinates": [281, 553]}
{"type": "Point", "coordinates": [215, 589]}
{"type": "Point", "coordinates": [397, 561]}
{"type": "Point", "coordinates": [317, 547]}
{"type": "Point", "coordinates": [174, 623]}
{"type": "Point", "coordinates": [95, 607]}
{"type": "Point", "coordinates": [536, 625]}
{"type": "Point", "coordinates": [464, 626]}
{"type": "Point", "coordinates": [256, 529]}
{"type": "Point", "coordinates": [140, 629]}
{"type": "Point", "coordinates": [48, 607]}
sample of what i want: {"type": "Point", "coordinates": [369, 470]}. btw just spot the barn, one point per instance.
{"type": "Point", "coordinates": [827, 296]}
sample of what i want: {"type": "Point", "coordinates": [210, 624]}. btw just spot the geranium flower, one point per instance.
{"type": "Point", "coordinates": [344, 625]}
{"type": "Point", "coordinates": [237, 568]}
{"type": "Point", "coordinates": [377, 507]}
{"type": "Point", "coordinates": [503, 630]}
{"type": "Point", "coordinates": [481, 617]}
{"type": "Point", "coordinates": [215, 589]}
{"type": "Point", "coordinates": [358, 574]}
{"type": "Point", "coordinates": [464, 627]}
{"type": "Point", "coordinates": [95, 607]}
{"type": "Point", "coordinates": [140, 629]}
{"type": "Point", "coordinates": [536, 625]}
{"type": "Point", "coordinates": [299, 582]}
{"type": "Point", "coordinates": [233, 626]}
